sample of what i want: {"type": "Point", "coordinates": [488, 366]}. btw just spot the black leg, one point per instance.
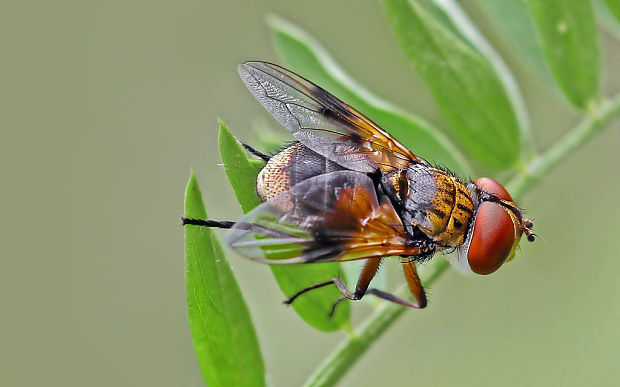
{"type": "Point", "coordinates": [207, 223]}
{"type": "Point", "coordinates": [335, 304]}
{"type": "Point", "coordinates": [346, 294]}
{"type": "Point", "coordinates": [305, 290]}
{"type": "Point", "coordinates": [368, 272]}
{"type": "Point", "coordinates": [256, 153]}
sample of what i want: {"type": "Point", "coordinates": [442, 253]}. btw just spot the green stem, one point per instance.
{"type": "Point", "coordinates": [588, 127]}
{"type": "Point", "coordinates": [345, 355]}
{"type": "Point", "coordinates": [352, 348]}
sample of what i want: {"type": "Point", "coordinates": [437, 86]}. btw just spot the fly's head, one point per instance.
{"type": "Point", "coordinates": [497, 227]}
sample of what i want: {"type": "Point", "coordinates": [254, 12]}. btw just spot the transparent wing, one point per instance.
{"type": "Point", "coordinates": [322, 122]}
{"type": "Point", "coordinates": [331, 217]}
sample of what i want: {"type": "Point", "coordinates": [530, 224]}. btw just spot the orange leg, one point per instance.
{"type": "Point", "coordinates": [415, 287]}
{"type": "Point", "coordinates": [413, 280]}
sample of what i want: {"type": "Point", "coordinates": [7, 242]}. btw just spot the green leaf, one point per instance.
{"type": "Point", "coordinates": [304, 55]}
{"type": "Point", "coordinates": [222, 330]}
{"type": "Point", "coordinates": [460, 23]}
{"type": "Point", "coordinates": [464, 84]}
{"type": "Point", "coordinates": [614, 7]}
{"type": "Point", "coordinates": [438, 10]}
{"type": "Point", "coordinates": [512, 18]}
{"type": "Point", "coordinates": [608, 20]}
{"type": "Point", "coordinates": [240, 170]}
{"type": "Point", "coordinates": [567, 34]}
{"type": "Point", "coordinates": [314, 306]}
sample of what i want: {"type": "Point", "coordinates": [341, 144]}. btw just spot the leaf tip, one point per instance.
{"type": "Point", "coordinates": [224, 136]}
{"type": "Point", "coordinates": [194, 206]}
{"type": "Point", "coordinates": [192, 183]}
{"type": "Point", "coordinates": [221, 123]}
{"type": "Point", "coordinates": [280, 25]}
{"type": "Point", "coordinates": [274, 20]}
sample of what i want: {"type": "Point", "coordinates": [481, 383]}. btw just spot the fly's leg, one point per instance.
{"type": "Point", "coordinates": [414, 283]}
{"type": "Point", "coordinates": [207, 223]}
{"type": "Point", "coordinates": [371, 267]}
{"type": "Point", "coordinates": [368, 272]}
{"type": "Point", "coordinates": [256, 153]}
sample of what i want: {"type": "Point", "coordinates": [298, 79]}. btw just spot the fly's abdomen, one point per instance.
{"type": "Point", "coordinates": [290, 167]}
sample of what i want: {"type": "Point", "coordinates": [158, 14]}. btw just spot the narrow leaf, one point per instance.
{"type": "Point", "coordinates": [567, 34]}
{"type": "Point", "coordinates": [513, 20]}
{"type": "Point", "coordinates": [464, 85]}
{"type": "Point", "coordinates": [314, 306]}
{"type": "Point", "coordinates": [460, 22]}
{"type": "Point", "coordinates": [222, 332]}
{"type": "Point", "coordinates": [304, 55]}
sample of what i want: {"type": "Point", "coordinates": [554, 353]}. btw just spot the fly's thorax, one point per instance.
{"type": "Point", "coordinates": [289, 167]}
{"type": "Point", "coordinates": [461, 217]}
{"type": "Point", "coordinates": [451, 210]}
{"type": "Point", "coordinates": [434, 201]}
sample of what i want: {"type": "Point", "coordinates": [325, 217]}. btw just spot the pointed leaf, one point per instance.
{"type": "Point", "coordinates": [240, 169]}
{"type": "Point", "coordinates": [304, 55]}
{"type": "Point", "coordinates": [222, 332]}
{"type": "Point", "coordinates": [314, 306]}
{"type": "Point", "coordinates": [567, 34]}
{"type": "Point", "coordinates": [462, 81]}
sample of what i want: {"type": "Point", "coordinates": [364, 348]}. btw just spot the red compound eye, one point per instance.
{"type": "Point", "coordinates": [491, 186]}
{"type": "Point", "coordinates": [493, 237]}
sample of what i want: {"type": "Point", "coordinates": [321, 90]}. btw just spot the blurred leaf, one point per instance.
{"type": "Point", "coordinates": [614, 7]}
{"type": "Point", "coordinates": [269, 138]}
{"type": "Point", "coordinates": [304, 55]}
{"type": "Point", "coordinates": [438, 10]}
{"type": "Point", "coordinates": [314, 306]}
{"type": "Point", "coordinates": [513, 19]}
{"type": "Point", "coordinates": [568, 37]}
{"type": "Point", "coordinates": [222, 330]}
{"type": "Point", "coordinates": [462, 81]}
{"type": "Point", "coordinates": [460, 23]}
{"type": "Point", "coordinates": [609, 21]}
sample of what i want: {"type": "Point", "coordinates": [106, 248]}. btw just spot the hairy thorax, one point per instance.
{"type": "Point", "coordinates": [434, 201]}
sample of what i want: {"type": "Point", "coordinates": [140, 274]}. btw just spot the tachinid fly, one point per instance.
{"type": "Point", "coordinates": [348, 190]}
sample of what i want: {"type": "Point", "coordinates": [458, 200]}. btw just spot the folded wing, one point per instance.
{"type": "Point", "coordinates": [331, 217]}
{"type": "Point", "coordinates": [322, 122]}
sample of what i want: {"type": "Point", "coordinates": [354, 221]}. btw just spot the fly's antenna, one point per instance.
{"type": "Point", "coordinates": [528, 225]}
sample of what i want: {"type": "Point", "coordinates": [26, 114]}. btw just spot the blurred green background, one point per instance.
{"type": "Point", "coordinates": [106, 107]}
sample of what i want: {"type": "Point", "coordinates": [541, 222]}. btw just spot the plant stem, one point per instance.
{"type": "Point", "coordinates": [349, 350]}
{"type": "Point", "coordinates": [578, 136]}
{"type": "Point", "coordinates": [352, 348]}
